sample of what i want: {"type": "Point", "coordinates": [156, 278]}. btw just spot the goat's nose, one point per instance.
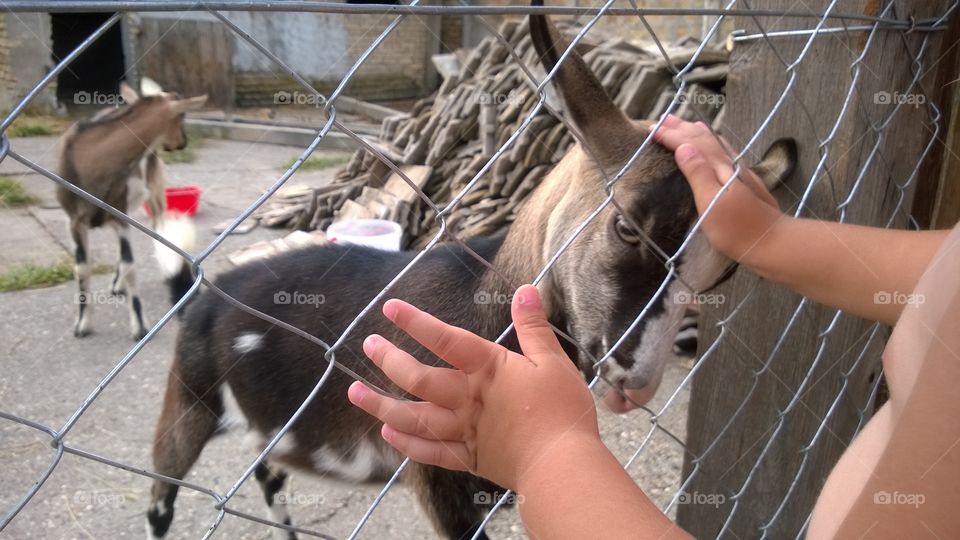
{"type": "Point", "coordinates": [626, 399]}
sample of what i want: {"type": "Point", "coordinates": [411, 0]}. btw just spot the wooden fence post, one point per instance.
{"type": "Point", "coordinates": [809, 356]}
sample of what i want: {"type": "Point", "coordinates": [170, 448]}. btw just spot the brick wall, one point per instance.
{"type": "Point", "coordinates": [667, 28]}
{"type": "Point", "coordinates": [396, 70]}
{"type": "Point", "coordinates": [6, 77]}
{"type": "Point", "coordinates": [24, 59]}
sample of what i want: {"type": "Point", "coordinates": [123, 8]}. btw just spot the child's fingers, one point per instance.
{"type": "Point", "coordinates": [699, 173]}
{"type": "Point", "coordinates": [676, 132]}
{"type": "Point", "coordinates": [536, 337]}
{"type": "Point", "coordinates": [442, 386]}
{"type": "Point", "coordinates": [420, 418]}
{"type": "Point", "coordinates": [449, 455]}
{"type": "Point", "coordinates": [457, 346]}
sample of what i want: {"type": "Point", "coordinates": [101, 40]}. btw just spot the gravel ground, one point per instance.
{"type": "Point", "coordinates": [47, 373]}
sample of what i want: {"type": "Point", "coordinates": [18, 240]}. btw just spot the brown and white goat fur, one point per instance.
{"type": "Point", "coordinates": [226, 359]}
{"type": "Point", "coordinates": [113, 156]}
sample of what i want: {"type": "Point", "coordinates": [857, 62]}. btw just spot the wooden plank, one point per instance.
{"type": "Point", "coordinates": [192, 57]}
{"type": "Point", "coordinates": [398, 187]}
{"type": "Point", "coordinates": [937, 203]}
{"type": "Point", "coordinates": [726, 378]}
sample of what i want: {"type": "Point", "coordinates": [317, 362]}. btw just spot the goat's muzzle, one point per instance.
{"type": "Point", "coordinates": [621, 400]}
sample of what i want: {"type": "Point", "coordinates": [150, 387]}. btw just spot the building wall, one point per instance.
{"type": "Point", "coordinates": [6, 76]}
{"type": "Point", "coordinates": [323, 47]}
{"type": "Point", "coordinates": [668, 29]}
{"type": "Point", "coordinates": [25, 45]}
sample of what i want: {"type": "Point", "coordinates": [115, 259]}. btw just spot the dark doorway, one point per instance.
{"type": "Point", "coordinates": [93, 78]}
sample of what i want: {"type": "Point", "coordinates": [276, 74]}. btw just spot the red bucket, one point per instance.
{"type": "Point", "coordinates": [181, 199]}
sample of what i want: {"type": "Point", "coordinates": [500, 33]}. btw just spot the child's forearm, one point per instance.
{"type": "Point", "coordinates": [866, 271]}
{"type": "Point", "coordinates": [578, 489]}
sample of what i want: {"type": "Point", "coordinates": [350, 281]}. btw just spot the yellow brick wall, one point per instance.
{"type": "Point", "coordinates": [6, 78]}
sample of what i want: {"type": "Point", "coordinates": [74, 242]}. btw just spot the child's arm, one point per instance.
{"type": "Point", "coordinates": [526, 422]}
{"type": "Point", "coordinates": [866, 271]}
{"type": "Point", "coordinates": [578, 489]}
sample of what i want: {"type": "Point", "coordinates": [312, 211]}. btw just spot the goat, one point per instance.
{"type": "Point", "coordinates": [113, 156]}
{"type": "Point", "coordinates": [229, 362]}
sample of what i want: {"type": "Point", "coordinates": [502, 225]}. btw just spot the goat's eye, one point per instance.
{"type": "Point", "coordinates": [626, 232]}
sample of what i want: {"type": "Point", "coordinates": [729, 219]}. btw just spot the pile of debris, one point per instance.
{"type": "Point", "coordinates": [448, 137]}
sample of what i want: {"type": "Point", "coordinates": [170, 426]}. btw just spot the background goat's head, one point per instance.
{"type": "Point", "coordinates": [167, 107]}
{"type": "Point", "coordinates": [611, 270]}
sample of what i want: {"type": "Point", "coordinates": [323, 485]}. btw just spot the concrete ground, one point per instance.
{"type": "Point", "coordinates": [47, 373]}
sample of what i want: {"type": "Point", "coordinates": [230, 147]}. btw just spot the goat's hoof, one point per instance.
{"type": "Point", "coordinates": [137, 335]}
{"type": "Point", "coordinates": [81, 332]}
{"type": "Point", "coordinates": [118, 292]}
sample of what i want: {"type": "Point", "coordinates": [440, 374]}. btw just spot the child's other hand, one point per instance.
{"type": "Point", "coordinates": [497, 412]}
{"type": "Point", "coordinates": [746, 211]}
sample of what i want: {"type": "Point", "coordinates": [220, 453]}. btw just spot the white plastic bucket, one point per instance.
{"type": "Point", "coordinates": [375, 233]}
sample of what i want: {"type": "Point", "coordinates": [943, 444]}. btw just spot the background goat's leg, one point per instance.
{"type": "Point", "coordinates": [124, 281]}
{"type": "Point", "coordinates": [188, 419]}
{"type": "Point", "coordinates": [271, 481]}
{"type": "Point", "coordinates": [118, 284]}
{"type": "Point", "coordinates": [455, 502]}
{"type": "Point", "coordinates": [78, 231]}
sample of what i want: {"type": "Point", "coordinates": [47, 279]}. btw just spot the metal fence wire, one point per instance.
{"type": "Point", "coordinates": [826, 22]}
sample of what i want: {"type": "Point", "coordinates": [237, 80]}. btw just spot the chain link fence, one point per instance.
{"type": "Point", "coordinates": [823, 24]}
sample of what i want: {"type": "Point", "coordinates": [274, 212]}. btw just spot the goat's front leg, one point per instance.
{"type": "Point", "coordinates": [271, 481]}
{"type": "Point", "coordinates": [81, 269]}
{"type": "Point", "coordinates": [155, 180]}
{"type": "Point", "coordinates": [124, 282]}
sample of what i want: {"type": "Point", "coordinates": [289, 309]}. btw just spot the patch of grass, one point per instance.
{"type": "Point", "coordinates": [37, 126]}
{"type": "Point", "coordinates": [13, 194]}
{"type": "Point", "coordinates": [35, 276]}
{"type": "Point", "coordinates": [319, 163]}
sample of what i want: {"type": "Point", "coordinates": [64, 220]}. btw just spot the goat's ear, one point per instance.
{"type": "Point", "coordinates": [128, 94]}
{"type": "Point", "coordinates": [149, 87]}
{"type": "Point", "coordinates": [779, 162]}
{"type": "Point", "coordinates": [602, 124]}
{"type": "Point", "coordinates": [190, 104]}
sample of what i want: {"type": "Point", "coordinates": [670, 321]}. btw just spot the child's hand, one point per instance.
{"type": "Point", "coordinates": [494, 415]}
{"type": "Point", "coordinates": [746, 211]}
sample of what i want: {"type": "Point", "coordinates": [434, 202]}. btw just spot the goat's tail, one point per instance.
{"type": "Point", "coordinates": [179, 230]}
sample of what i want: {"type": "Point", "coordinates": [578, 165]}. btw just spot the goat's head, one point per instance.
{"type": "Point", "coordinates": [168, 108]}
{"type": "Point", "coordinates": [616, 265]}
